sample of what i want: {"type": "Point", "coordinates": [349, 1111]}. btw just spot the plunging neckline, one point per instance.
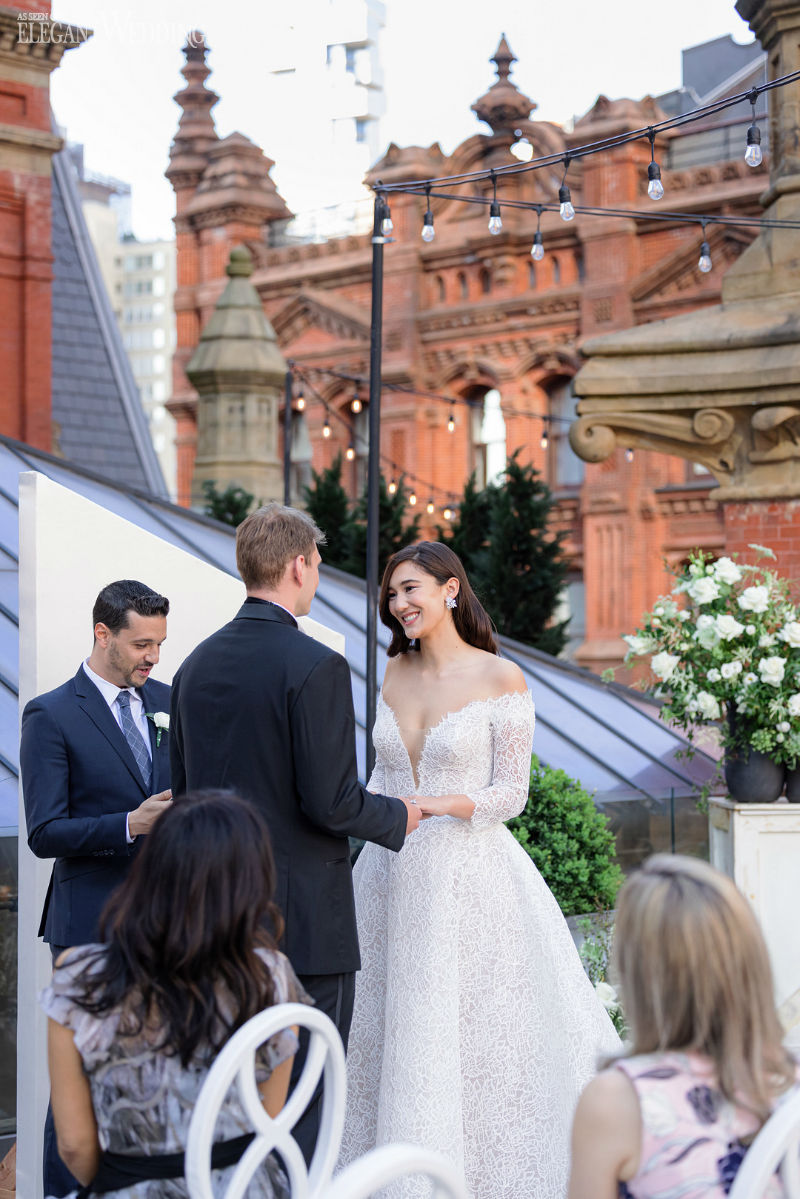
{"type": "Point", "coordinates": [415, 775]}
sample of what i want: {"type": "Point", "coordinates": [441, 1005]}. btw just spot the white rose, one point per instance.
{"type": "Point", "coordinates": [772, 670]}
{"type": "Point", "coordinates": [708, 636]}
{"type": "Point", "coordinates": [713, 675]}
{"type": "Point", "coordinates": [793, 704]}
{"type": "Point", "coordinates": [684, 614]}
{"type": "Point", "coordinates": [754, 599]}
{"type": "Point", "coordinates": [708, 706]}
{"type": "Point", "coordinates": [726, 570]}
{"type": "Point", "coordinates": [663, 665]}
{"type": "Point", "coordinates": [728, 627]}
{"type": "Point", "coordinates": [639, 644]}
{"type": "Point", "coordinates": [766, 641]}
{"type": "Point", "coordinates": [607, 995]}
{"type": "Point", "coordinates": [161, 720]}
{"type": "Point", "coordinates": [779, 737]}
{"type": "Point", "coordinates": [703, 591]}
{"type": "Point", "coordinates": [705, 621]}
{"type": "Point", "coordinates": [658, 611]}
{"type": "Point", "coordinates": [784, 726]}
{"type": "Point", "coordinates": [730, 670]}
{"type": "Point", "coordinates": [749, 679]}
{"type": "Point", "coordinates": [750, 629]}
{"type": "Point", "coordinates": [790, 633]}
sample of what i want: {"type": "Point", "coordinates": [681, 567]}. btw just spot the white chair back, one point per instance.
{"type": "Point", "coordinates": [778, 1144]}
{"type": "Point", "coordinates": [377, 1169]}
{"type": "Point", "coordinates": [236, 1062]}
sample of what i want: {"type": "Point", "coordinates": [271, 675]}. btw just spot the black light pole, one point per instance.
{"type": "Point", "coordinates": [373, 470]}
{"type": "Point", "coordinates": [287, 434]}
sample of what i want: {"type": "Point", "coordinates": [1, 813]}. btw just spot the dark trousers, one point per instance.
{"type": "Point", "coordinates": [57, 1179]}
{"type": "Point", "coordinates": [333, 994]}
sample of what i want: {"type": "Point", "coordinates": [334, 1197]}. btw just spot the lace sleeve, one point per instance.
{"type": "Point", "coordinates": [512, 738]}
{"type": "Point", "coordinates": [377, 780]}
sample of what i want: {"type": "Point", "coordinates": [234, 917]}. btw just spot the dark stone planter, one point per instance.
{"type": "Point", "coordinates": [753, 777]}
{"type": "Point", "coordinates": [793, 785]}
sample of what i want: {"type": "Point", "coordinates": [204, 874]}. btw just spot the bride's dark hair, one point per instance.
{"type": "Point", "coordinates": [471, 619]}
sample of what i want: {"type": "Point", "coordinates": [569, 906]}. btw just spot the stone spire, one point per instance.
{"type": "Point", "coordinates": [239, 373]}
{"type": "Point", "coordinates": [503, 106]}
{"type": "Point", "coordinates": [196, 133]}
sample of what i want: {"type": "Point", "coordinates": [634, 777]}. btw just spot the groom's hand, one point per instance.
{"type": "Point", "coordinates": [142, 819]}
{"type": "Point", "coordinates": [413, 814]}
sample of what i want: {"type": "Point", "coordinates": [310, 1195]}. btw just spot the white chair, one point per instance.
{"type": "Point", "coordinates": [778, 1144]}
{"type": "Point", "coordinates": [365, 1176]}
{"type": "Point", "coordinates": [236, 1062]}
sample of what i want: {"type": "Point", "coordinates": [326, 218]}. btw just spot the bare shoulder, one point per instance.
{"type": "Point", "coordinates": [504, 676]}
{"type": "Point", "coordinates": [609, 1096]}
{"type": "Point", "coordinates": [65, 956]}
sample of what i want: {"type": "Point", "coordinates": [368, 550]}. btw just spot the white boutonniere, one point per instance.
{"type": "Point", "coordinates": [161, 721]}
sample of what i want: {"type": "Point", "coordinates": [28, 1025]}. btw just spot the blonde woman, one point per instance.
{"type": "Point", "coordinates": [705, 1067]}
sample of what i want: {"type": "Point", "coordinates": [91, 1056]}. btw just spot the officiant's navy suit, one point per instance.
{"type": "Point", "coordinates": [79, 780]}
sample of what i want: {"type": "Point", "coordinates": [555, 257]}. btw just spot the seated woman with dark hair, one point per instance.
{"type": "Point", "coordinates": [135, 1023]}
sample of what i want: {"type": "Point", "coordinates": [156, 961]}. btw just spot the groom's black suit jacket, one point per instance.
{"type": "Point", "coordinates": [264, 710]}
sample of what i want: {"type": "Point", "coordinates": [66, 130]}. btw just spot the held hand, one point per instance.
{"type": "Point", "coordinates": [435, 805]}
{"type": "Point", "coordinates": [142, 819]}
{"type": "Point", "coordinates": [414, 814]}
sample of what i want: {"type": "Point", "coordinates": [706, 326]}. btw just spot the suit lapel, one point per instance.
{"type": "Point", "coordinates": [98, 711]}
{"type": "Point", "coordinates": [159, 753]}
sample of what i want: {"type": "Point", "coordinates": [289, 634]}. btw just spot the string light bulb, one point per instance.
{"type": "Point", "coordinates": [629, 455]}
{"type": "Point", "coordinates": [430, 507]}
{"type": "Point", "coordinates": [355, 403]}
{"type": "Point", "coordinates": [448, 514]}
{"type": "Point", "coordinates": [350, 452]}
{"type": "Point", "coordinates": [565, 209]}
{"type": "Point", "coordinates": [537, 249]}
{"type": "Point", "coordinates": [655, 188]}
{"type": "Point", "coordinates": [301, 402]}
{"type": "Point", "coordinates": [752, 155]}
{"type": "Point", "coordinates": [428, 231]}
{"type": "Point", "coordinates": [451, 421]}
{"type": "Point", "coordinates": [495, 220]}
{"type": "Point", "coordinates": [544, 440]}
{"type": "Point", "coordinates": [387, 225]}
{"type": "Point", "coordinates": [704, 263]}
{"type": "Point", "coordinates": [412, 499]}
{"type": "Point", "coordinates": [326, 428]}
{"type": "Point", "coordinates": [392, 487]}
{"type": "Point", "coordinates": [522, 148]}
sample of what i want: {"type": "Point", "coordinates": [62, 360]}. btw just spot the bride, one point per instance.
{"type": "Point", "coordinates": [475, 1027]}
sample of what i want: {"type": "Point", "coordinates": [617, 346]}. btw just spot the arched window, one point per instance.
{"type": "Point", "coordinates": [580, 266]}
{"type": "Point", "coordinates": [463, 286]}
{"type": "Point", "coordinates": [299, 458]}
{"type": "Point", "coordinates": [532, 276]}
{"type": "Point", "coordinates": [556, 270]}
{"type": "Point", "coordinates": [488, 436]}
{"type": "Point", "coordinates": [486, 280]}
{"type": "Point", "coordinates": [440, 289]}
{"type": "Point", "coordinates": [565, 468]}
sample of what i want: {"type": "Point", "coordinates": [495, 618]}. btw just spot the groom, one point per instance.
{"type": "Point", "coordinates": [263, 710]}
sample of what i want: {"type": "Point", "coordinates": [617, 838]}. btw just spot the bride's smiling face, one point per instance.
{"type": "Point", "coordinates": [417, 601]}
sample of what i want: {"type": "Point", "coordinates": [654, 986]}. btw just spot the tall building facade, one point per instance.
{"type": "Point", "coordinates": [140, 281]}
{"type": "Point", "coordinates": [480, 341]}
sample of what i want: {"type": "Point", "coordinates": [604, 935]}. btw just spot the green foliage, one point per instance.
{"type": "Point", "coordinates": [393, 532]}
{"type": "Point", "coordinates": [514, 562]}
{"type": "Point", "coordinates": [230, 506]}
{"type": "Point", "coordinates": [327, 503]}
{"type": "Point", "coordinates": [569, 841]}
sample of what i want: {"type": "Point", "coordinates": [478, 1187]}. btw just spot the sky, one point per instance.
{"type": "Point", "coordinates": [114, 93]}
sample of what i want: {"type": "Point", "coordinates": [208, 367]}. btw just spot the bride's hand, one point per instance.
{"type": "Point", "coordinates": [435, 805]}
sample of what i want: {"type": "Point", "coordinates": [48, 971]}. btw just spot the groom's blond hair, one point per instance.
{"type": "Point", "coordinates": [269, 539]}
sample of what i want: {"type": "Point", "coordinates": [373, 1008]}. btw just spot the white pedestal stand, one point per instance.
{"type": "Point", "coordinates": [758, 846]}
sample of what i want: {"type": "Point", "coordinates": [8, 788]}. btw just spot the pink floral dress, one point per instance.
{"type": "Point", "coordinates": [693, 1139]}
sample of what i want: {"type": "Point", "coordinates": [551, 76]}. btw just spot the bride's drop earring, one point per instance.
{"type": "Point", "coordinates": [450, 602]}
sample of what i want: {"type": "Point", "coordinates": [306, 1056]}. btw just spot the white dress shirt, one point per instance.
{"type": "Point", "coordinates": [109, 692]}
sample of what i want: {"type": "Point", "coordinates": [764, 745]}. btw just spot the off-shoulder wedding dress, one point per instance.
{"type": "Point", "coordinates": [475, 1027]}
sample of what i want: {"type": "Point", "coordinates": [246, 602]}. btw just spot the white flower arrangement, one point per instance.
{"type": "Point", "coordinates": [726, 642]}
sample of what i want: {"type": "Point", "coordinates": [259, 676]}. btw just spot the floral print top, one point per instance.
{"type": "Point", "coordinates": [693, 1139]}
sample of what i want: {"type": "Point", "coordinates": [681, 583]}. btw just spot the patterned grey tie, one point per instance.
{"type": "Point", "coordinates": [135, 739]}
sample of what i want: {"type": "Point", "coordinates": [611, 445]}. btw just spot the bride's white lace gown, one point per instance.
{"type": "Point", "coordinates": [475, 1026]}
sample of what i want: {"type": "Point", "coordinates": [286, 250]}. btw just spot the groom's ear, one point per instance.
{"type": "Point", "coordinates": [296, 569]}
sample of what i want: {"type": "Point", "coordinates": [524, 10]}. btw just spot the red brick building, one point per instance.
{"type": "Point", "coordinates": [471, 316]}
